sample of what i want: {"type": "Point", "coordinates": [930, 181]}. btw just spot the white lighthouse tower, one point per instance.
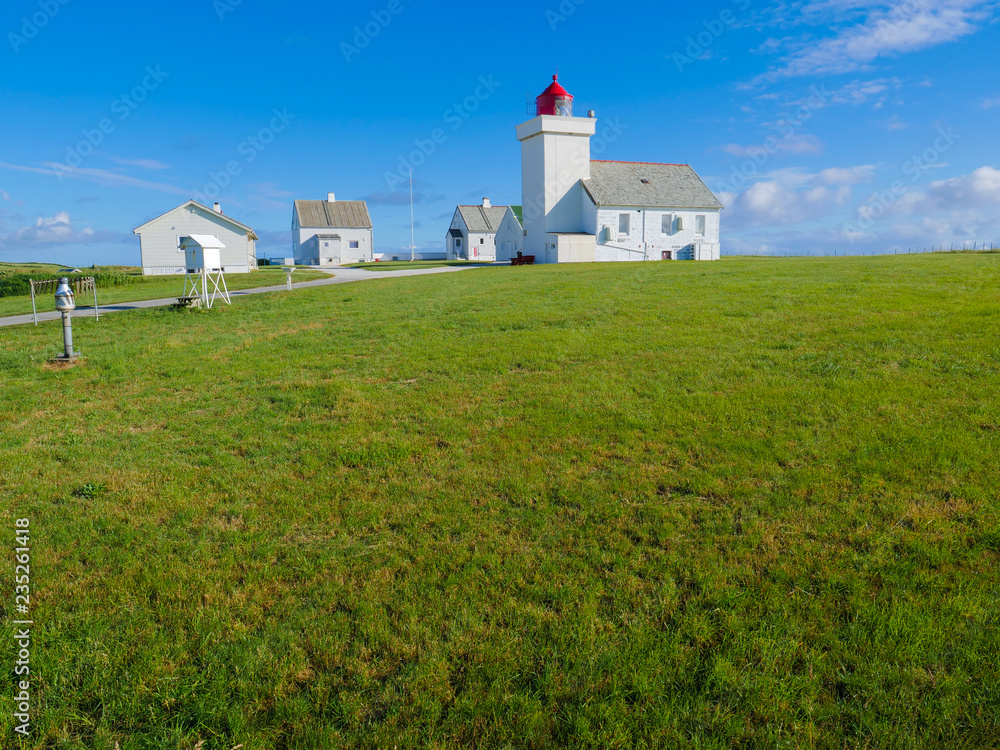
{"type": "Point", "coordinates": [555, 157]}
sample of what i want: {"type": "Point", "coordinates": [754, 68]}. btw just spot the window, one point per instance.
{"type": "Point", "coordinates": [624, 223]}
{"type": "Point", "coordinates": [458, 242]}
{"type": "Point", "coordinates": [482, 241]}
{"type": "Point", "coordinates": [354, 244]}
{"type": "Point", "coordinates": [668, 223]}
{"type": "Point", "coordinates": [699, 226]}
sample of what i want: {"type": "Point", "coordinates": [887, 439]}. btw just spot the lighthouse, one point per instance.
{"type": "Point", "coordinates": [555, 158]}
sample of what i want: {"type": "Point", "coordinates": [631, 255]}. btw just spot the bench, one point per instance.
{"type": "Point", "coordinates": [188, 302]}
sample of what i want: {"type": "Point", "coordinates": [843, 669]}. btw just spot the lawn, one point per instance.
{"type": "Point", "coordinates": [146, 287]}
{"type": "Point", "coordinates": [405, 265]}
{"type": "Point", "coordinates": [744, 504]}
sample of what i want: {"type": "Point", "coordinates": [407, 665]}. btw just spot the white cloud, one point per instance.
{"type": "Point", "coordinates": [858, 92]}
{"type": "Point", "coordinates": [4, 194]}
{"type": "Point", "coordinates": [141, 163]}
{"type": "Point", "coordinates": [895, 123]}
{"type": "Point", "coordinates": [846, 175]}
{"type": "Point", "coordinates": [977, 192]}
{"type": "Point", "coordinates": [786, 197]}
{"type": "Point", "coordinates": [100, 176]}
{"type": "Point", "coordinates": [54, 230]}
{"type": "Point", "coordinates": [885, 31]}
{"type": "Point", "coordinates": [990, 103]}
{"type": "Point", "coordinates": [792, 144]}
{"type": "Point", "coordinates": [269, 196]}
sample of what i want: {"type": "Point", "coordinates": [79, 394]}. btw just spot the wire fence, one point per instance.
{"type": "Point", "coordinates": [975, 247]}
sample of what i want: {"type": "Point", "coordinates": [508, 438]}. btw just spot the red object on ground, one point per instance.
{"type": "Point", "coordinates": [555, 100]}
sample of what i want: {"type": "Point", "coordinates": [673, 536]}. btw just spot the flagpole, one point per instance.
{"type": "Point", "coordinates": [413, 246]}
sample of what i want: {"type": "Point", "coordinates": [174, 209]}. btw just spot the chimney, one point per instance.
{"type": "Point", "coordinates": [217, 208]}
{"type": "Point", "coordinates": [331, 198]}
{"type": "Point", "coordinates": [486, 202]}
{"type": "Point", "coordinates": [592, 114]}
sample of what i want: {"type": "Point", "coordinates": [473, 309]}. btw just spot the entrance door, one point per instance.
{"type": "Point", "coordinates": [667, 255]}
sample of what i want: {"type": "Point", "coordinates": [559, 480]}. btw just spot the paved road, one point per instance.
{"type": "Point", "coordinates": [343, 276]}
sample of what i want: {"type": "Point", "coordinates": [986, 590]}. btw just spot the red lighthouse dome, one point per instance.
{"type": "Point", "coordinates": [555, 100]}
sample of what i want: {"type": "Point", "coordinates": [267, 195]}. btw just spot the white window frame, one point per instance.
{"type": "Point", "coordinates": [626, 219]}
{"type": "Point", "coordinates": [700, 225]}
{"type": "Point", "coordinates": [667, 225]}
{"type": "Point", "coordinates": [353, 244]}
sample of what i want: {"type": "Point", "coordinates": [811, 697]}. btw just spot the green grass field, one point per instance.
{"type": "Point", "coordinates": [745, 504]}
{"type": "Point", "coordinates": [148, 287]}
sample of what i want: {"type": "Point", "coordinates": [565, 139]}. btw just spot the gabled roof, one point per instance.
{"type": "Point", "coordinates": [643, 185]}
{"type": "Point", "coordinates": [339, 215]}
{"type": "Point", "coordinates": [205, 241]}
{"type": "Point", "coordinates": [196, 204]}
{"type": "Point", "coordinates": [479, 219]}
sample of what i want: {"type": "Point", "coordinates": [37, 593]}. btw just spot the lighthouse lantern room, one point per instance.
{"type": "Point", "coordinates": [555, 100]}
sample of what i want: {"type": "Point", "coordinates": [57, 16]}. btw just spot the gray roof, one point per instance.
{"type": "Point", "coordinates": [480, 219]}
{"type": "Point", "coordinates": [339, 215]}
{"type": "Point", "coordinates": [213, 214]}
{"type": "Point", "coordinates": [621, 183]}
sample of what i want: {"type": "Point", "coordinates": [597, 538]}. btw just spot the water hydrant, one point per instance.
{"type": "Point", "coordinates": [66, 304]}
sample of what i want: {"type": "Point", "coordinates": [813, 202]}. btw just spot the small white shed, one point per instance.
{"type": "Point", "coordinates": [202, 251]}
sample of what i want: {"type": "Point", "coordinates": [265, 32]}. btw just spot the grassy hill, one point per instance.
{"type": "Point", "coordinates": [743, 504]}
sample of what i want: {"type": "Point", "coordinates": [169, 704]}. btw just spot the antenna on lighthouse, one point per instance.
{"type": "Point", "coordinates": [413, 247]}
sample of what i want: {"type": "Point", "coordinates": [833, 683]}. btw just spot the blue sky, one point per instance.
{"type": "Point", "coordinates": [825, 126]}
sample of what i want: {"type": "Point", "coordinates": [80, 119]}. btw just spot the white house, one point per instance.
{"type": "Point", "coordinates": [650, 212]}
{"type": "Point", "coordinates": [161, 239]}
{"type": "Point", "coordinates": [484, 232]}
{"type": "Point", "coordinates": [331, 232]}
{"type": "Point", "coordinates": [580, 210]}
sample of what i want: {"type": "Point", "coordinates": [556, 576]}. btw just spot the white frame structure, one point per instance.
{"type": "Point", "coordinates": [82, 285]}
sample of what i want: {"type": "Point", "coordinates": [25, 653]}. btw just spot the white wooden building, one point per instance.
{"type": "Point", "coordinates": [650, 212]}
{"type": "Point", "coordinates": [484, 232]}
{"type": "Point", "coordinates": [331, 232]}
{"type": "Point", "coordinates": [580, 210]}
{"type": "Point", "coordinates": [161, 239]}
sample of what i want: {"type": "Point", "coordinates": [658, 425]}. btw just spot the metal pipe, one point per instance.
{"type": "Point", "coordinates": [68, 335]}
